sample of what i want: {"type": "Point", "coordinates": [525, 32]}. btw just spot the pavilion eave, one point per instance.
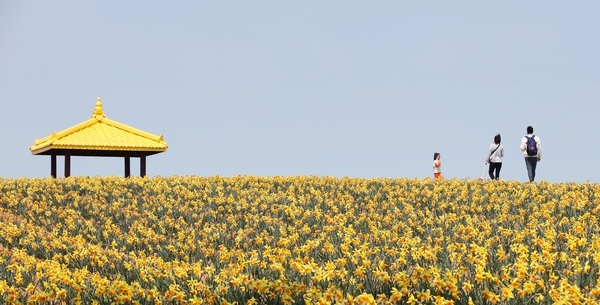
{"type": "Point", "coordinates": [96, 152]}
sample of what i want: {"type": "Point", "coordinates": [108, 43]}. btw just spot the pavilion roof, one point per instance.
{"type": "Point", "coordinates": [100, 135]}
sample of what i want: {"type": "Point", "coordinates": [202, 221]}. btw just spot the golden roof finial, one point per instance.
{"type": "Point", "coordinates": [98, 110]}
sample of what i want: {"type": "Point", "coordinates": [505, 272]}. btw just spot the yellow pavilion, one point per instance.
{"type": "Point", "coordinates": [99, 137]}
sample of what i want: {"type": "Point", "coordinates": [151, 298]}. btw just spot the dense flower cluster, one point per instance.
{"type": "Point", "coordinates": [297, 240]}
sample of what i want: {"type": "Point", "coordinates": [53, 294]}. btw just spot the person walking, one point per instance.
{"type": "Point", "coordinates": [437, 166]}
{"type": "Point", "coordinates": [531, 146]}
{"type": "Point", "coordinates": [494, 158]}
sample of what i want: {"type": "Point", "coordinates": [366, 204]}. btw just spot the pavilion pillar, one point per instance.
{"type": "Point", "coordinates": [53, 165]}
{"type": "Point", "coordinates": [67, 164]}
{"type": "Point", "coordinates": [143, 165]}
{"type": "Point", "coordinates": [127, 166]}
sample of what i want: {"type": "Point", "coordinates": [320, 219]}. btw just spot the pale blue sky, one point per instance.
{"type": "Point", "coordinates": [337, 88]}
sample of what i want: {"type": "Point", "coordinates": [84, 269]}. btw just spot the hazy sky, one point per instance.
{"type": "Point", "coordinates": [326, 88]}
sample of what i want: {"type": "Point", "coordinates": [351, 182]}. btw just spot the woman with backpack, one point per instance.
{"type": "Point", "coordinates": [494, 158]}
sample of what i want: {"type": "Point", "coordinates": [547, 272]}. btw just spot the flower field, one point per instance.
{"type": "Point", "coordinates": [297, 240]}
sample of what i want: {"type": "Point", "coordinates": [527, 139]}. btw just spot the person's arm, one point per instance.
{"type": "Point", "coordinates": [523, 144]}
{"type": "Point", "coordinates": [501, 151]}
{"type": "Point", "coordinates": [539, 148]}
{"type": "Point", "coordinates": [489, 154]}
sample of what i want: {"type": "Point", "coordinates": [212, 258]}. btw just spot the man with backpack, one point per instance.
{"type": "Point", "coordinates": [531, 146]}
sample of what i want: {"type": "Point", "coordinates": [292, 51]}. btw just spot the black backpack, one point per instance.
{"type": "Point", "coordinates": [531, 146]}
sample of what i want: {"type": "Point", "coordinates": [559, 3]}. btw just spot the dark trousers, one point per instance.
{"type": "Point", "coordinates": [495, 167]}
{"type": "Point", "coordinates": [531, 163]}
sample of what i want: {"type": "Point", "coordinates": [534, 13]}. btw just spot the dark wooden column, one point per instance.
{"type": "Point", "coordinates": [67, 164]}
{"type": "Point", "coordinates": [143, 165]}
{"type": "Point", "coordinates": [53, 165]}
{"type": "Point", "coordinates": [127, 166]}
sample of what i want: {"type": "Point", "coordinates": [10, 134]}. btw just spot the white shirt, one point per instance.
{"type": "Point", "coordinates": [437, 169]}
{"type": "Point", "coordinates": [495, 157]}
{"type": "Point", "coordinates": [524, 146]}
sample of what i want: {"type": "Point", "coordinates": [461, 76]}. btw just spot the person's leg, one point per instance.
{"type": "Point", "coordinates": [528, 165]}
{"type": "Point", "coordinates": [531, 163]}
{"type": "Point", "coordinates": [498, 167]}
{"type": "Point", "coordinates": [491, 171]}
